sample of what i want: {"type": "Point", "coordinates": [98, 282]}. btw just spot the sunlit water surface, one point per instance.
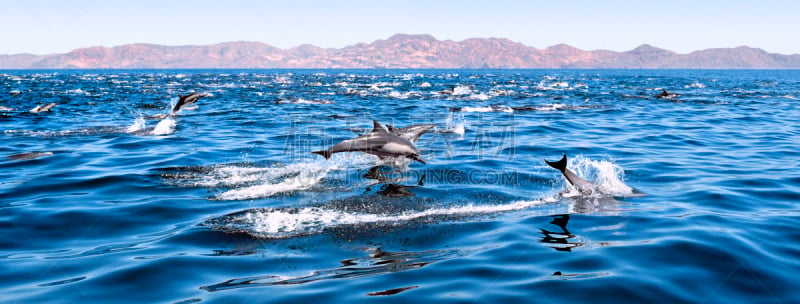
{"type": "Point", "coordinates": [102, 202]}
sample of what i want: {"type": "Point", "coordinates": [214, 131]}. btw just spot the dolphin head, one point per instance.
{"type": "Point", "coordinates": [417, 158]}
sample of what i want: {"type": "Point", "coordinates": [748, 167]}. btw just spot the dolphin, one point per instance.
{"type": "Point", "coordinates": [379, 142]}
{"type": "Point", "coordinates": [666, 95]}
{"type": "Point", "coordinates": [411, 133]}
{"type": "Point", "coordinates": [43, 108]}
{"type": "Point", "coordinates": [389, 186]}
{"type": "Point", "coordinates": [29, 155]}
{"type": "Point", "coordinates": [187, 99]}
{"type": "Point", "coordinates": [397, 190]}
{"type": "Point", "coordinates": [581, 184]}
{"type": "Point", "coordinates": [585, 186]}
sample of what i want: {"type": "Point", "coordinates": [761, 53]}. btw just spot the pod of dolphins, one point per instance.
{"type": "Point", "coordinates": [382, 142]}
{"type": "Point", "coordinates": [399, 143]}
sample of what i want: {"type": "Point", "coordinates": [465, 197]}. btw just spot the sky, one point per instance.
{"type": "Point", "coordinates": [49, 27]}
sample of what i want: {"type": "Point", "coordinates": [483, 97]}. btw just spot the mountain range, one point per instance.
{"type": "Point", "coordinates": [400, 51]}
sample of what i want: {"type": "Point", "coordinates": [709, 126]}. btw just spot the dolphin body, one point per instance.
{"type": "Point", "coordinates": [43, 108]}
{"type": "Point", "coordinates": [187, 99]}
{"type": "Point", "coordinates": [581, 184]}
{"type": "Point", "coordinates": [379, 142]}
{"type": "Point", "coordinates": [411, 133]}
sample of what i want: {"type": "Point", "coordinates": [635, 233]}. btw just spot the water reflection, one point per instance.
{"type": "Point", "coordinates": [376, 263]}
{"type": "Point", "coordinates": [391, 292]}
{"type": "Point", "coordinates": [389, 184]}
{"type": "Point", "coordinates": [560, 240]}
{"type": "Point", "coordinates": [594, 204]}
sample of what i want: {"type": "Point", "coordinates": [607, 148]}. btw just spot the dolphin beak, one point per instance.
{"type": "Point", "coordinates": [416, 157]}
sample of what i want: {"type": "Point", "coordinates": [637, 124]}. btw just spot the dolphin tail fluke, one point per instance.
{"type": "Point", "coordinates": [561, 165]}
{"type": "Point", "coordinates": [325, 153]}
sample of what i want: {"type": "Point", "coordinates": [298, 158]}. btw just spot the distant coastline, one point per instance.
{"type": "Point", "coordinates": [400, 51]}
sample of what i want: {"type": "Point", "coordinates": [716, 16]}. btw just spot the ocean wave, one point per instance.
{"type": "Point", "coordinates": [248, 181]}
{"type": "Point", "coordinates": [271, 181]}
{"type": "Point", "coordinates": [278, 223]}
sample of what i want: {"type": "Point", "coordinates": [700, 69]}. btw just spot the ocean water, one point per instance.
{"type": "Point", "coordinates": [694, 197]}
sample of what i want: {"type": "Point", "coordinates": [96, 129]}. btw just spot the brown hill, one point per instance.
{"type": "Point", "coordinates": [399, 51]}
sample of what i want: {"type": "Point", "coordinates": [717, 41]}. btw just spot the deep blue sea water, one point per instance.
{"type": "Point", "coordinates": [224, 203]}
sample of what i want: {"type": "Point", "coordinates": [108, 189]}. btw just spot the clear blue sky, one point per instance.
{"type": "Point", "coordinates": [46, 27]}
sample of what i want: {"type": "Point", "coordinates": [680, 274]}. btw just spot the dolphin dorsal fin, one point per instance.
{"type": "Point", "coordinates": [390, 127]}
{"type": "Point", "coordinates": [377, 127]}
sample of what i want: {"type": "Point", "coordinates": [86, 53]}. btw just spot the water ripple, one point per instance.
{"type": "Point", "coordinates": [227, 195]}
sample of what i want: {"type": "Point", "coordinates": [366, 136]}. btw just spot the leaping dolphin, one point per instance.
{"type": "Point", "coordinates": [585, 186]}
{"type": "Point", "coordinates": [581, 184]}
{"type": "Point", "coordinates": [43, 108]}
{"type": "Point", "coordinates": [379, 142]}
{"type": "Point", "coordinates": [411, 133]}
{"type": "Point", "coordinates": [187, 99]}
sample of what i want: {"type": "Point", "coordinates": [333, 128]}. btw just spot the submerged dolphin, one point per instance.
{"type": "Point", "coordinates": [379, 142]}
{"type": "Point", "coordinates": [43, 108]}
{"type": "Point", "coordinates": [397, 190]}
{"type": "Point", "coordinates": [666, 95]}
{"type": "Point", "coordinates": [187, 99]}
{"type": "Point", "coordinates": [411, 133]}
{"type": "Point", "coordinates": [29, 155]}
{"type": "Point", "coordinates": [573, 179]}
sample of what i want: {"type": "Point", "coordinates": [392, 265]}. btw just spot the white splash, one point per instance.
{"type": "Point", "coordinates": [461, 90]}
{"type": "Point", "coordinates": [165, 126]}
{"type": "Point", "coordinates": [459, 129]}
{"type": "Point", "coordinates": [138, 124]}
{"type": "Point", "coordinates": [550, 107]}
{"type": "Point", "coordinates": [310, 101]}
{"type": "Point", "coordinates": [267, 190]}
{"type": "Point", "coordinates": [607, 177]}
{"type": "Point", "coordinates": [456, 127]}
{"type": "Point", "coordinates": [77, 91]}
{"type": "Point", "coordinates": [479, 96]}
{"type": "Point", "coordinates": [695, 85]}
{"type": "Point", "coordinates": [289, 222]}
{"type": "Point", "coordinates": [546, 84]}
{"type": "Point", "coordinates": [274, 180]}
{"type": "Point", "coordinates": [494, 108]}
